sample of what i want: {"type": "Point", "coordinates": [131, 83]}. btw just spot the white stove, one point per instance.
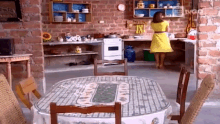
{"type": "Point", "coordinates": [113, 49]}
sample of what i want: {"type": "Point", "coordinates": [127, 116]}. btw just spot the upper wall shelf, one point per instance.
{"type": "Point", "coordinates": [69, 43]}
{"type": "Point", "coordinates": [174, 11]}
{"type": "Point", "coordinates": [60, 12]}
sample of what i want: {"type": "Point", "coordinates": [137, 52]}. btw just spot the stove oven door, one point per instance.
{"type": "Point", "coordinates": [113, 49]}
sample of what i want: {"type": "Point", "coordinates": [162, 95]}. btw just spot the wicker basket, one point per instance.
{"type": "Point", "coordinates": [11, 112]}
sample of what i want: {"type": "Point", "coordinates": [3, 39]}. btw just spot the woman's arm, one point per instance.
{"type": "Point", "coordinates": [167, 28]}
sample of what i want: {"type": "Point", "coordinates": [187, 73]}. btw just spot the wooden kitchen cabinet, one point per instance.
{"type": "Point", "coordinates": [66, 9]}
{"type": "Point", "coordinates": [72, 53]}
{"type": "Point", "coordinates": [66, 52]}
{"type": "Point", "coordinates": [174, 12]}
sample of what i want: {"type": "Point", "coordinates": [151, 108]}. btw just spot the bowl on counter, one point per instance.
{"type": "Point", "coordinates": [138, 37]}
{"type": "Point", "coordinates": [112, 36]}
{"type": "Point", "coordinates": [170, 35]}
{"type": "Point", "coordinates": [139, 15]}
{"type": "Point", "coordinates": [76, 11]}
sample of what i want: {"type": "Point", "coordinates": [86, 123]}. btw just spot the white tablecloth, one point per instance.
{"type": "Point", "coordinates": [142, 100]}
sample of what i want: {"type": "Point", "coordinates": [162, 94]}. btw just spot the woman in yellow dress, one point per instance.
{"type": "Point", "coordinates": [160, 42]}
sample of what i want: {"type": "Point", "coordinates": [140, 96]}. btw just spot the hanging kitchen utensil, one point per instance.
{"type": "Point", "coordinates": [129, 24]}
{"type": "Point", "coordinates": [140, 29]}
{"type": "Point", "coordinates": [143, 28]}
{"type": "Point", "coordinates": [188, 25]}
{"type": "Point", "coordinates": [137, 29]}
{"type": "Point", "coordinates": [191, 24]}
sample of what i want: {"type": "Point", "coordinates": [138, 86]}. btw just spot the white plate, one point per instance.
{"type": "Point", "coordinates": [121, 7]}
{"type": "Point", "coordinates": [140, 15]}
{"type": "Point", "coordinates": [85, 9]}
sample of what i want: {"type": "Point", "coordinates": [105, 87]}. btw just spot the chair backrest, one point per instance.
{"type": "Point", "coordinates": [96, 62]}
{"type": "Point", "coordinates": [181, 93]}
{"type": "Point", "coordinates": [198, 100]}
{"type": "Point", "coordinates": [10, 110]}
{"type": "Point", "coordinates": [54, 109]}
{"type": "Point", "coordinates": [25, 87]}
{"type": "Point", "coordinates": [182, 85]}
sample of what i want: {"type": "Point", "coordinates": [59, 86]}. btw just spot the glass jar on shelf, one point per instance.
{"type": "Point", "coordinates": [140, 4]}
{"type": "Point", "coordinates": [161, 5]}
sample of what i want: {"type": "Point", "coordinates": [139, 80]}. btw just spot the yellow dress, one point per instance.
{"type": "Point", "coordinates": [160, 41]}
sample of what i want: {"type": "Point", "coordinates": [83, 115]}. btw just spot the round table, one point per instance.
{"type": "Point", "coordinates": [142, 99]}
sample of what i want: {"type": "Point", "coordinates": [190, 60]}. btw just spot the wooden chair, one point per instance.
{"type": "Point", "coordinates": [198, 100]}
{"type": "Point", "coordinates": [181, 95]}
{"type": "Point", "coordinates": [96, 62]}
{"type": "Point", "coordinates": [24, 88]}
{"type": "Point", "coordinates": [54, 109]}
{"type": "Point", "coordinates": [10, 110]}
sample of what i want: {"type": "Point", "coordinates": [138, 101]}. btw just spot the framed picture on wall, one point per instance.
{"type": "Point", "coordinates": [10, 11]}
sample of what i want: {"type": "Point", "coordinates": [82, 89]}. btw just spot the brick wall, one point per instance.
{"type": "Point", "coordinates": [27, 36]}
{"type": "Point", "coordinates": [209, 42]}
{"type": "Point", "coordinates": [115, 21]}
{"type": "Point", "coordinates": [106, 10]}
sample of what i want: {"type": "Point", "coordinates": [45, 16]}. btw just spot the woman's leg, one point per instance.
{"type": "Point", "coordinates": [162, 57]}
{"type": "Point", "coordinates": [157, 57]}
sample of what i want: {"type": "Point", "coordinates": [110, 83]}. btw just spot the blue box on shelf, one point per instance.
{"type": "Point", "coordinates": [79, 7]}
{"type": "Point", "coordinates": [60, 7]}
{"type": "Point", "coordinates": [177, 12]}
{"type": "Point", "coordinates": [169, 12]}
{"type": "Point", "coordinates": [70, 15]}
{"type": "Point", "coordinates": [153, 11]}
{"type": "Point", "coordinates": [172, 3]}
{"type": "Point", "coordinates": [57, 14]}
{"type": "Point", "coordinates": [82, 17]}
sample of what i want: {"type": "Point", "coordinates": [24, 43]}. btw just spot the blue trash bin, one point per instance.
{"type": "Point", "coordinates": [129, 54]}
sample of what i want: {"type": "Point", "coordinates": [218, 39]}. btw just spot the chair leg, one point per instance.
{"type": "Point", "coordinates": [175, 117]}
{"type": "Point", "coordinates": [27, 103]}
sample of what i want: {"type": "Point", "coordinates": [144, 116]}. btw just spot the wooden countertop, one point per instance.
{"type": "Point", "coordinates": [66, 43]}
{"type": "Point", "coordinates": [15, 55]}
{"type": "Point", "coordinates": [187, 40]}
{"type": "Point", "coordinates": [144, 39]}
{"type": "Point", "coordinates": [172, 39]}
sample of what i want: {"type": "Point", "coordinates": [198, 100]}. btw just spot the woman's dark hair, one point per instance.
{"type": "Point", "coordinates": [157, 18]}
